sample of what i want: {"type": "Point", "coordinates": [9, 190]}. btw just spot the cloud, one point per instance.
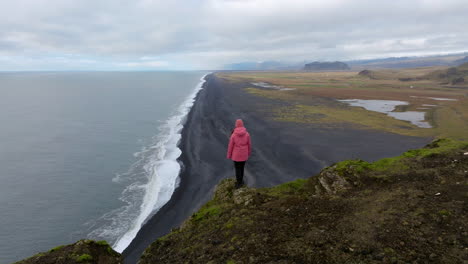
{"type": "Point", "coordinates": [145, 64]}
{"type": "Point", "coordinates": [206, 34]}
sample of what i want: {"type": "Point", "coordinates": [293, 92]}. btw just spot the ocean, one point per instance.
{"type": "Point", "coordinates": [87, 154]}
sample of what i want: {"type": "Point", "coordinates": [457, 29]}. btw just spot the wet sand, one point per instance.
{"type": "Point", "coordinates": [281, 152]}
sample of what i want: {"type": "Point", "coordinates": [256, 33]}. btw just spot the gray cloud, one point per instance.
{"type": "Point", "coordinates": [207, 34]}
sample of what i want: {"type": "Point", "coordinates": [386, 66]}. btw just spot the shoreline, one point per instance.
{"type": "Point", "coordinates": [170, 156]}
{"type": "Point", "coordinates": [281, 152]}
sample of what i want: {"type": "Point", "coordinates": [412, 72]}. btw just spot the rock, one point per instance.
{"type": "Point", "coordinates": [224, 190]}
{"type": "Point", "coordinates": [243, 196]}
{"type": "Point", "coordinates": [332, 182]}
{"type": "Point", "coordinates": [367, 73]}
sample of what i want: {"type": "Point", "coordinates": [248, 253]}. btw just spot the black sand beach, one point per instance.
{"type": "Point", "coordinates": [281, 152]}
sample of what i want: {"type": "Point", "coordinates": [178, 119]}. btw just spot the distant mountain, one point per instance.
{"type": "Point", "coordinates": [461, 61]}
{"type": "Point", "coordinates": [326, 66]}
{"type": "Point", "coordinates": [389, 63]}
{"type": "Point", "coordinates": [261, 66]}
{"type": "Point", "coordinates": [410, 62]}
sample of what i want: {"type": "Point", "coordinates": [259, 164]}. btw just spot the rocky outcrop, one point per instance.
{"type": "Point", "coordinates": [81, 252]}
{"type": "Point", "coordinates": [406, 209]}
{"type": "Point", "coordinates": [367, 73]}
{"type": "Point", "coordinates": [331, 182]}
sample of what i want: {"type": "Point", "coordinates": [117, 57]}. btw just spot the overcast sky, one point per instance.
{"type": "Point", "coordinates": [207, 34]}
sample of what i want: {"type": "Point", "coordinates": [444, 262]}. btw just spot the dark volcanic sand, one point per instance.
{"type": "Point", "coordinates": [281, 152]}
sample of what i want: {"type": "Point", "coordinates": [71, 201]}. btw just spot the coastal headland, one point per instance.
{"type": "Point", "coordinates": [283, 149]}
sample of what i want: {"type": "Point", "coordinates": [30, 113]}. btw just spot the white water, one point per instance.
{"type": "Point", "coordinates": [152, 180]}
{"type": "Point", "coordinates": [162, 170]}
{"type": "Point", "coordinates": [387, 107]}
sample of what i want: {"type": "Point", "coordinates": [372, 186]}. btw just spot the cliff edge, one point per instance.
{"type": "Point", "coordinates": [404, 209]}
{"type": "Point", "coordinates": [81, 252]}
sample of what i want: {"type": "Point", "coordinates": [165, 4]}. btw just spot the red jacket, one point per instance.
{"type": "Point", "coordinates": [239, 148]}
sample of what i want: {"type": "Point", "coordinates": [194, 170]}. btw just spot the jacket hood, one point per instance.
{"type": "Point", "coordinates": [239, 123]}
{"type": "Point", "coordinates": [240, 131]}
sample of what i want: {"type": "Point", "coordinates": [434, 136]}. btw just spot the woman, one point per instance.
{"type": "Point", "coordinates": [239, 150]}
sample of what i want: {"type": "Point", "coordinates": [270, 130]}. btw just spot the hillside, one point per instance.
{"type": "Point", "coordinates": [453, 75]}
{"type": "Point", "coordinates": [405, 209]}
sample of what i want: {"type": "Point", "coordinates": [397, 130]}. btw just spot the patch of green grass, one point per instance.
{"type": "Point", "coordinates": [84, 258]}
{"type": "Point", "coordinates": [398, 163]}
{"type": "Point", "coordinates": [56, 248]}
{"type": "Point", "coordinates": [444, 212]}
{"type": "Point", "coordinates": [230, 262]}
{"type": "Point", "coordinates": [207, 211]}
{"type": "Point", "coordinates": [394, 163]}
{"type": "Point", "coordinates": [110, 251]}
{"type": "Point", "coordinates": [287, 188]}
{"type": "Point", "coordinates": [354, 165]}
{"type": "Point", "coordinates": [102, 243]}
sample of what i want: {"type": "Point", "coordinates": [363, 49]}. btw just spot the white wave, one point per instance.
{"type": "Point", "coordinates": [163, 170]}
{"type": "Point", "coordinates": [152, 181]}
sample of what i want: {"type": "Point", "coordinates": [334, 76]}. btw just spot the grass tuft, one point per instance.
{"type": "Point", "coordinates": [84, 258]}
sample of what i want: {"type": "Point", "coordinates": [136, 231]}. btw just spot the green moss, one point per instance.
{"type": "Point", "coordinates": [398, 163]}
{"type": "Point", "coordinates": [56, 248]}
{"type": "Point", "coordinates": [102, 243]}
{"type": "Point", "coordinates": [206, 211]}
{"type": "Point", "coordinates": [229, 225]}
{"type": "Point", "coordinates": [84, 258]}
{"type": "Point", "coordinates": [110, 251]}
{"type": "Point", "coordinates": [444, 212]}
{"type": "Point", "coordinates": [389, 251]}
{"type": "Point", "coordinates": [354, 165]}
{"type": "Point", "coordinates": [394, 164]}
{"type": "Point", "coordinates": [230, 262]}
{"type": "Point", "coordinates": [286, 188]}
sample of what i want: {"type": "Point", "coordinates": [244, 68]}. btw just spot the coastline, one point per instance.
{"type": "Point", "coordinates": [169, 171]}
{"type": "Point", "coordinates": [281, 152]}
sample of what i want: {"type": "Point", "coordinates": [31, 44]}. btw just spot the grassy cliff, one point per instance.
{"type": "Point", "coordinates": [406, 209]}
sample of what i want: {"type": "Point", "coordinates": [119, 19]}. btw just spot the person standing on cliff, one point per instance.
{"type": "Point", "coordinates": [239, 150]}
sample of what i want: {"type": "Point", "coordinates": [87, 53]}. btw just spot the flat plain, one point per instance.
{"type": "Point", "coordinates": [313, 98]}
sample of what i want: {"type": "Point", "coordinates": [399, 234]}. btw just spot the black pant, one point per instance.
{"type": "Point", "coordinates": [239, 165]}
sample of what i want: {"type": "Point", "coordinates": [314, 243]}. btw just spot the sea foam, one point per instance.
{"type": "Point", "coordinates": [152, 181]}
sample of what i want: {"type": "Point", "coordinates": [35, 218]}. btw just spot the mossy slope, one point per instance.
{"type": "Point", "coordinates": [407, 209]}
{"type": "Point", "coordinates": [81, 252]}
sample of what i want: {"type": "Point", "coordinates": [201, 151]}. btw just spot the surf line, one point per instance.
{"type": "Point", "coordinates": [163, 170]}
